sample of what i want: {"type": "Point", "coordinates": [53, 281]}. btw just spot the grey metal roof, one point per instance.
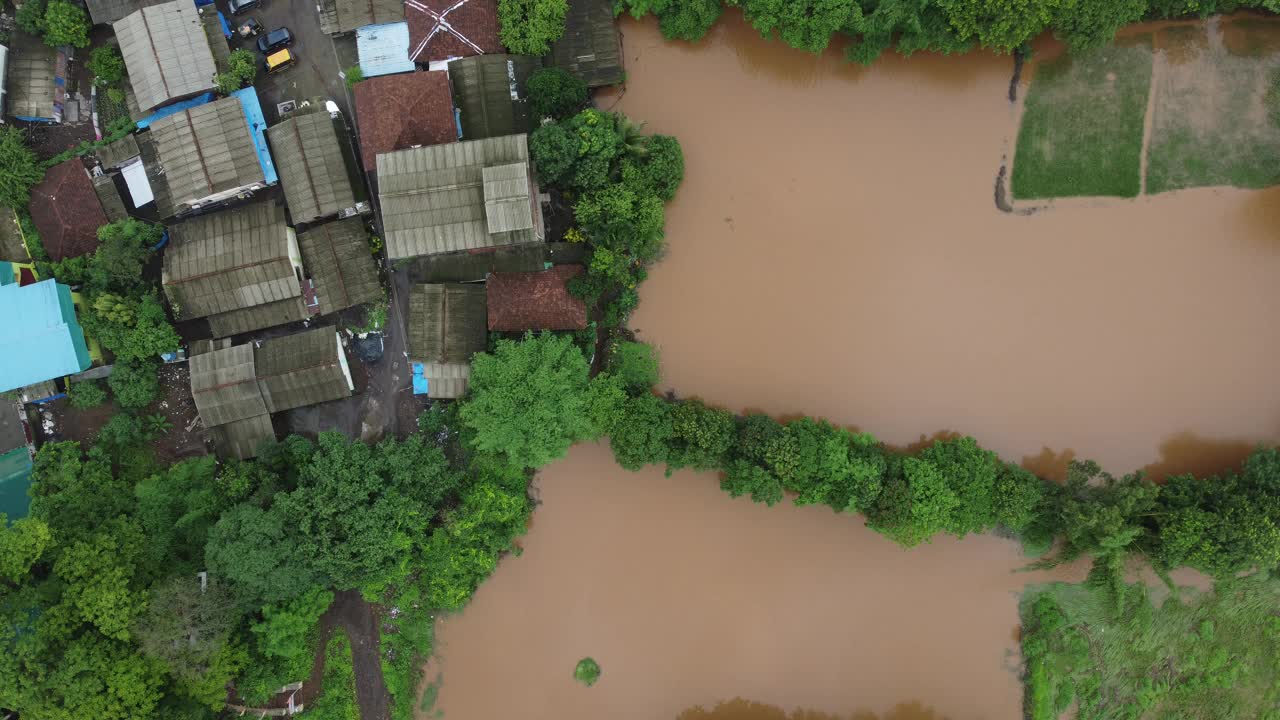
{"type": "Point", "coordinates": [301, 369]}
{"type": "Point", "coordinates": [473, 267]}
{"type": "Point", "coordinates": [105, 12]}
{"type": "Point", "coordinates": [118, 153]}
{"type": "Point", "coordinates": [204, 151]}
{"type": "Point", "coordinates": [336, 256]}
{"type": "Point", "coordinates": [447, 322]}
{"type": "Point", "coordinates": [447, 380]}
{"type": "Point", "coordinates": [311, 167]}
{"type": "Point", "coordinates": [30, 77]}
{"type": "Point", "coordinates": [590, 47]}
{"type": "Point", "coordinates": [224, 385]}
{"type": "Point", "coordinates": [242, 438]}
{"type": "Point", "coordinates": [489, 91]}
{"type": "Point", "coordinates": [507, 204]}
{"type": "Point", "coordinates": [105, 188]}
{"type": "Point", "coordinates": [342, 16]}
{"type": "Point", "coordinates": [166, 53]}
{"type": "Point", "coordinates": [244, 320]}
{"type": "Point", "coordinates": [433, 197]}
{"type": "Point", "coordinates": [229, 260]}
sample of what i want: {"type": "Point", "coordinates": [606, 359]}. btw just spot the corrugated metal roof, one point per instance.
{"type": "Point", "coordinates": [433, 198]}
{"type": "Point", "coordinates": [447, 380]}
{"type": "Point", "coordinates": [166, 53]}
{"type": "Point", "coordinates": [507, 204]}
{"type": "Point", "coordinates": [109, 198]}
{"type": "Point", "coordinates": [118, 153]}
{"type": "Point", "coordinates": [384, 49]}
{"type": "Point", "coordinates": [242, 438]}
{"type": "Point", "coordinates": [446, 323]}
{"type": "Point", "coordinates": [229, 260]}
{"type": "Point", "coordinates": [489, 91]}
{"type": "Point", "coordinates": [473, 267]}
{"type": "Point", "coordinates": [305, 368]}
{"type": "Point", "coordinates": [31, 72]}
{"type": "Point", "coordinates": [343, 16]}
{"type": "Point", "coordinates": [106, 12]}
{"type": "Point", "coordinates": [40, 338]}
{"type": "Point", "coordinates": [312, 169]}
{"type": "Point", "coordinates": [336, 256]}
{"type": "Point", "coordinates": [238, 322]}
{"type": "Point", "coordinates": [203, 151]}
{"type": "Point", "coordinates": [590, 47]}
{"type": "Point", "coordinates": [224, 385]}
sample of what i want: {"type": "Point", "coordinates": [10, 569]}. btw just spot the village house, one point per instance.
{"type": "Point", "coordinates": [344, 16]}
{"type": "Point", "coordinates": [446, 326]}
{"type": "Point", "coordinates": [535, 301]}
{"type": "Point", "coordinates": [31, 71]}
{"type": "Point", "coordinates": [40, 338]}
{"type": "Point", "coordinates": [205, 154]}
{"type": "Point", "coordinates": [236, 388]}
{"type": "Point", "coordinates": [489, 91]}
{"type": "Point", "coordinates": [240, 269]}
{"type": "Point", "coordinates": [66, 211]}
{"type": "Point", "coordinates": [460, 196]}
{"type": "Point", "coordinates": [166, 53]}
{"type": "Point", "coordinates": [384, 49]}
{"type": "Point", "coordinates": [309, 160]}
{"type": "Point", "coordinates": [403, 111]}
{"type": "Point", "coordinates": [341, 270]}
{"type": "Point", "coordinates": [440, 30]}
{"type": "Point", "coordinates": [590, 47]}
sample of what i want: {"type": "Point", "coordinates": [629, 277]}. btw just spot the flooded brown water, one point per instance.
{"type": "Point", "coordinates": [835, 250]}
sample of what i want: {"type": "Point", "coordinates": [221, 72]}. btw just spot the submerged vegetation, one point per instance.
{"type": "Point", "coordinates": [587, 671]}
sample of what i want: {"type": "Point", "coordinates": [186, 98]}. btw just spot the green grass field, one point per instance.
{"type": "Point", "coordinates": [1082, 126]}
{"type": "Point", "coordinates": [1212, 121]}
{"type": "Point", "coordinates": [1211, 656]}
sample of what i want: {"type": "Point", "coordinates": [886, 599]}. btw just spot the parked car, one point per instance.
{"type": "Point", "coordinates": [275, 40]}
{"type": "Point", "coordinates": [249, 28]}
{"type": "Point", "coordinates": [239, 7]}
{"type": "Point", "coordinates": [280, 60]}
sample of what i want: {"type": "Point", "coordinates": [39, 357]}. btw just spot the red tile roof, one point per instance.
{"type": "Point", "coordinates": [395, 112]}
{"type": "Point", "coordinates": [66, 211]}
{"type": "Point", "coordinates": [438, 33]}
{"type": "Point", "coordinates": [535, 301]}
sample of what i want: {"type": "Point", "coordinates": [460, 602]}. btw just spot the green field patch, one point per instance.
{"type": "Point", "coordinates": [1113, 653]}
{"type": "Point", "coordinates": [1212, 120]}
{"type": "Point", "coordinates": [1082, 125]}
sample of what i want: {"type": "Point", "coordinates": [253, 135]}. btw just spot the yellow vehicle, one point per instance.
{"type": "Point", "coordinates": [280, 60]}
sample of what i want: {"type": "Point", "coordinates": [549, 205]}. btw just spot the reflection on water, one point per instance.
{"type": "Point", "coordinates": [742, 709]}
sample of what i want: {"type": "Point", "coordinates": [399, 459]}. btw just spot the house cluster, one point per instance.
{"type": "Point", "coordinates": [442, 122]}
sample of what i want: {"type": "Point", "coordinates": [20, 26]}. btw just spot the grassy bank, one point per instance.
{"type": "Point", "coordinates": [1115, 654]}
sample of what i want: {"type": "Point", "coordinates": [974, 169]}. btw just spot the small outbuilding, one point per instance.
{"type": "Point", "coordinates": [459, 196]}
{"type": "Point", "coordinates": [535, 301]}
{"type": "Point", "coordinates": [590, 47]}
{"type": "Point", "coordinates": [404, 111]}
{"type": "Point", "coordinates": [166, 53]}
{"type": "Point", "coordinates": [446, 326]}
{"type": "Point", "coordinates": [384, 49]}
{"type": "Point", "coordinates": [66, 211]}
{"type": "Point", "coordinates": [344, 16]}
{"type": "Point", "coordinates": [443, 29]}
{"type": "Point", "coordinates": [32, 87]}
{"type": "Point", "coordinates": [309, 160]}
{"type": "Point", "coordinates": [40, 338]}
{"type": "Point", "coordinates": [490, 94]}
{"type": "Point", "coordinates": [336, 255]}
{"type": "Point", "coordinates": [241, 269]}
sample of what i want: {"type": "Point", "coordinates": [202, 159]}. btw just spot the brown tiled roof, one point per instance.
{"type": "Point", "coordinates": [66, 211]}
{"type": "Point", "coordinates": [535, 301]}
{"type": "Point", "coordinates": [470, 28]}
{"type": "Point", "coordinates": [399, 111]}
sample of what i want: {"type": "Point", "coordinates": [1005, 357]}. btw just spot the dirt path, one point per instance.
{"type": "Point", "coordinates": [360, 621]}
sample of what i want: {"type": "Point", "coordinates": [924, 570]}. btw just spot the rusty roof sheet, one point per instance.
{"type": "Point", "coordinates": [446, 322]}
{"type": "Point", "coordinates": [535, 301]}
{"type": "Point", "coordinates": [301, 369]}
{"type": "Point", "coordinates": [336, 256]}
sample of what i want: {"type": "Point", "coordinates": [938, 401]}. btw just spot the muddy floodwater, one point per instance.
{"type": "Point", "coordinates": [836, 250]}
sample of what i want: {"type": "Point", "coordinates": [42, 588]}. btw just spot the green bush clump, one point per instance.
{"type": "Point", "coordinates": [107, 65]}
{"type": "Point", "coordinates": [528, 27]}
{"type": "Point", "coordinates": [556, 93]}
{"type": "Point", "coordinates": [86, 394]}
{"type": "Point", "coordinates": [587, 671]}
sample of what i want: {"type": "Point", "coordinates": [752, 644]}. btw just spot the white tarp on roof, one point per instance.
{"type": "Point", "coordinates": [135, 177]}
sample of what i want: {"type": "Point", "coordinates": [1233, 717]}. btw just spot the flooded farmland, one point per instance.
{"type": "Point", "coordinates": [835, 250]}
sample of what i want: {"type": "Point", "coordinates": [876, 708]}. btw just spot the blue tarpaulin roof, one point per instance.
{"type": "Point", "coordinates": [420, 383]}
{"type": "Point", "coordinates": [384, 49]}
{"type": "Point", "coordinates": [168, 110]}
{"type": "Point", "coordinates": [40, 338]}
{"type": "Point", "coordinates": [248, 98]}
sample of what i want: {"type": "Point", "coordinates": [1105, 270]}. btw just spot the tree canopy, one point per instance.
{"type": "Point", "coordinates": [528, 27]}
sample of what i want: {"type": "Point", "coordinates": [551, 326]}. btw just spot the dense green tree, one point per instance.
{"type": "Point", "coordinates": [914, 504]}
{"type": "Point", "coordinates": [579, 153]}
{"type": "Point", "coordinates": [258, 552]}
{"type": "Point", "coordinates": [1001, 25]}
{"type": "Point", "coordinates": [802, 24]}
{"type": "Point", "coordinates": [176, 508]}
{"type": "Point", "coordinates": [21, 545]}
{"type": "Point", "coordinates": [86, 394]}
{"type": "Point", "coordinates": [554, 151]}
{"type": "Point", "coordinates": [135, 383]}
{"type": "Point", "coordinates": [19, 170]}
{"type": "Point", "coordinates": [635, 363]}
{"type": "Point", "coordinates": [742, 477]}
{"type": "Point", "coordinates": [641, 435]}
{"type": "Point", "coordinates": [284, 628]}
{"type": "Point", "coordinates": [135, 329]}
{"type": "Point", "coordinates": [107, 65]}
{"type": "Point", "coordinates": [187, 628]}
{"type": "Point", "coordinates": [75, 494]}
{"type": "Point", "coordinates": [99, 573]}
{"type": "Point", "coordinates": [755, 431]}
{"type": "Point", "coordinates": [912, 25]}
{"type": "Point", "coordinates": [1099, 514]}
{"type": "Point", "coordinates": [242, 69]}
{"type": "Point", "coordinates": [528, 27]}
{"type": "Point", "coordinates": [30, 17]}
{"type": "Point", "coordinates": [66, 24]}
{"type": "Point", "coordinates": [529, 399]}
{"type": "Point", "coordinates": [700, 435]}
{"type": "Point", "coordinates": [677, 19]}
{"type": "Point", "coordinates": [88, 677]}
{"type": "Point", "coordinates": [462, 553]}
{"type": "Point", "coordinates": [556, 93]}
{"type": "Point", "coordinates": [358, 509]}
{"type": "Point", "coordinates": [1084, 24]}
{"type": "Point", "coordinates": [659, 172]}
{"type": "Point", "coordinates": [1018, 497]}
{"type": "Point", "coordinates": [618, 218]}
{"type": "Point", "coordinates": [970, 474]}
{"type": "Point", "coordinates": [123, 248]}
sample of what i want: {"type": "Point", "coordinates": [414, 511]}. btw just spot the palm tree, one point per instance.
{"type": "Point", "coordinates": [634, 143]}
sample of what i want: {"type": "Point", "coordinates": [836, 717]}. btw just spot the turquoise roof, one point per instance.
{"type": "Point", "coordinates": [39, 336]}
{"type": "Point", "coordinates": [15, 478]}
